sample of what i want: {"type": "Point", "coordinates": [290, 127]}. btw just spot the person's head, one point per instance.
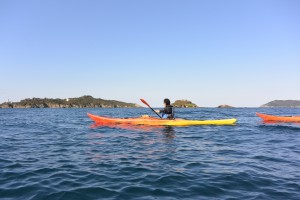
{"type": "Point", "coordinates": [167, 102]}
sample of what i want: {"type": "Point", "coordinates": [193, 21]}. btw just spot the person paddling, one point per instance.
{"type": "Point", "coordinates": [168, 111]}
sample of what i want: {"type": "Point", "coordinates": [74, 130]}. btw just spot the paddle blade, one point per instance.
{"type": "Point", "coordinates": [145, 102]}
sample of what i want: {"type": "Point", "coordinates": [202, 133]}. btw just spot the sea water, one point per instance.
{"type": "Point", "coordinates": [60, 154]}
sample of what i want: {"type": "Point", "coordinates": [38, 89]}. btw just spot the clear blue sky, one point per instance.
{"type": "Point", "coordinates": [242, 53]}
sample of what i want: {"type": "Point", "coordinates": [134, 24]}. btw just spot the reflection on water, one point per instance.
{"type": "Point", "coordinates": [166, 130]}
{"type": "Point", "coordinates": [280, 123]}
{"type": "Point", "coordinates": [169, 131]}
{"type": "Point", "coordinates": [166, 134]}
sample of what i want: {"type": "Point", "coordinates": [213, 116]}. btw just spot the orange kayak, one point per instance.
{"type": "Point", "coordinates": [151, 121]}
{"type": "Point", "coordinates": [279, 118]}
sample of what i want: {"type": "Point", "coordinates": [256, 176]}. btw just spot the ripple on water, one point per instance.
{"type": "Point", "coordinates": [54, 154]}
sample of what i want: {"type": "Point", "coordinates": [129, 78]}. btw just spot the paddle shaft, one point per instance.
{"type": "Point", "coordinates": [145, 102]}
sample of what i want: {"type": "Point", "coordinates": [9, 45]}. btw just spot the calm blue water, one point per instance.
{"type": "Point", "coordinates": [55, 154]}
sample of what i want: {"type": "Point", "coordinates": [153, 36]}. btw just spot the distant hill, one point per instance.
{"type": "Point", "coordinates": [184, 104]}
{"type": "Point", "coordinates": [283, 103]}
{"type": "Point", "coordinates": [80, 102]}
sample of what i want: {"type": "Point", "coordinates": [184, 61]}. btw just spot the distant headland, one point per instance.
{"type": "Point", "coordinates": [80, 102]}
{"type": "Point", "coordinates": [282, 104]}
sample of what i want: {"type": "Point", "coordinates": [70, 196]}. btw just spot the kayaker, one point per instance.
{"type": "Point", "coordinates": [168, 111]}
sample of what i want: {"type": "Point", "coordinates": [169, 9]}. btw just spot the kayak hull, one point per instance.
{"type": "Point", "coordinates": [279, 118]}
{"type": "Point", "coordinates": [160, 122]}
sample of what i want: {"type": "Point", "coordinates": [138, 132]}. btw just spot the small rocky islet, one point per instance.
{"type": "Point", "coordinates": [184, 104]}
{"type": "Point", "coordinates": [225, 106]}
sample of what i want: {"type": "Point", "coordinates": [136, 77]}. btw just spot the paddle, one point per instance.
{"type": "Point", "coordinates": [145, 102]}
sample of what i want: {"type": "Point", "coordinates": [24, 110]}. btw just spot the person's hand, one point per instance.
{"type": "Point", "coordinates": [157, 111]}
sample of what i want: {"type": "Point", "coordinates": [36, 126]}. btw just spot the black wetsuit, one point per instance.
{"type": "Point", "coordinates": [168, 112]}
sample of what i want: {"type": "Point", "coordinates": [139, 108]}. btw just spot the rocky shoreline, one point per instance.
{"type": "Point", "coordinates": [81, 102]}
{"type": "Point", "coordinates": [91, 102]}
